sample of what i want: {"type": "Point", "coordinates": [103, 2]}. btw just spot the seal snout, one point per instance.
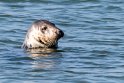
{"type": "Point", "coordinates": [61, 33]}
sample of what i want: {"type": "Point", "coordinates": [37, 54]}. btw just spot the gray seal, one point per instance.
{"type": "Point", "coordinates": [42, 34]}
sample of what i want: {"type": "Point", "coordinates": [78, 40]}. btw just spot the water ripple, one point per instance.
{"type": "Point", "coordinates": [90, 52]}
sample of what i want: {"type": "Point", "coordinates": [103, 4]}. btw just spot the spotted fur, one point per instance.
{"type": "Point", "coordinates": [42, 34]}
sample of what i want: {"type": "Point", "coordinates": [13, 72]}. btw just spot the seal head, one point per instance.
{"type": "Point", "coordinates": [42, 34]}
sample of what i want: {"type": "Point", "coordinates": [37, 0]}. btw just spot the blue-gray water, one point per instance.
{"type": "Point", "coordinates": [92, 50]}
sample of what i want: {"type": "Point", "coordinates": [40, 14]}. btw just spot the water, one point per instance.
{"type": "Point", "coordinates": [92, 50]}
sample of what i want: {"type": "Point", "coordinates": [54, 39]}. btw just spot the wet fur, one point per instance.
{"type": "Point", "coordinates": [42, 34]}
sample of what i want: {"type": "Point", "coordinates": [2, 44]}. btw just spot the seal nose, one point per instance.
{"type": "Point", "coordinates": [61, 33]}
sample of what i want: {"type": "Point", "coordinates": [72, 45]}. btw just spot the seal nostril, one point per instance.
{"type": "Point", "coordinates": [61, 33]}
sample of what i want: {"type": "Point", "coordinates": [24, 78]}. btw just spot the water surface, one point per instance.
{"type": "Point", "coordinates": [92, 50]}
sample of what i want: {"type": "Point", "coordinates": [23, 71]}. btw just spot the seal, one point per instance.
{"type": "Point", "coordinates": [42, 34]}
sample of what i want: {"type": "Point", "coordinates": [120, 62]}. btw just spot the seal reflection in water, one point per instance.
{"type": "Point", "coordinates": [42, 34]}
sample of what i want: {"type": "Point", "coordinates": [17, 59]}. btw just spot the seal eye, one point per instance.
{"type": "Point", "coordinates": [44, 28]}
